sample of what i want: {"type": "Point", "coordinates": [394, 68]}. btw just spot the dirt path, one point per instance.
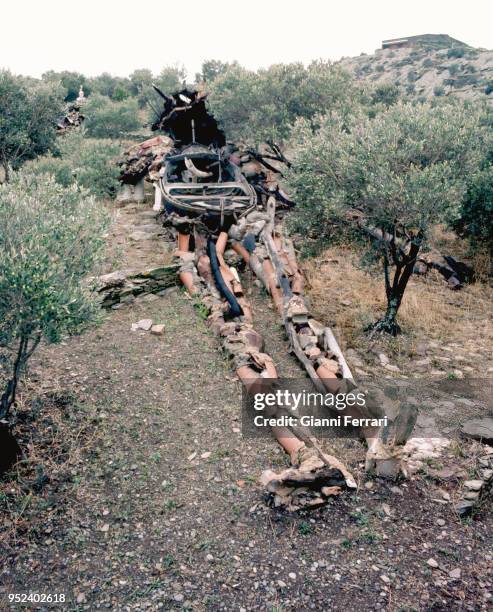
{"type": "Point", "coordinates": [140, 492]}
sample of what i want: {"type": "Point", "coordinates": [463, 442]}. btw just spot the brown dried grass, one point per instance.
{"type": "Point", "coordinates": [346, 296]}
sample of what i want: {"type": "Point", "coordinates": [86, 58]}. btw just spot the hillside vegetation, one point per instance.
{"type": "Point", "coordinates": [429, 68]}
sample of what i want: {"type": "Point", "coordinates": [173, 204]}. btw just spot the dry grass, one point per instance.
{"type": "Point", "coordinates": [56, 436]}
{"type": "Point", "coordinates": [343, 294]}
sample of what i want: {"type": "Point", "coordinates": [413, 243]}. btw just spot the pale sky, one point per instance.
{"type": "Point", "coordinates": [118, 36]}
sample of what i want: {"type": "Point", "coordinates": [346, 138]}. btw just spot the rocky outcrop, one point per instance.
{"type": "Point", "coordinates": [123, 286]}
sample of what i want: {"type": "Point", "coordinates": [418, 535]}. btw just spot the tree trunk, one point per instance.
{"type": "Point", "coordinates": [404, 266]}
{"type": "Point", "coordinates": [6, 171]}
{"type": "Point", "coordinates": [8, 396]}
{"type": "Point", "coordinates": [24, 352]}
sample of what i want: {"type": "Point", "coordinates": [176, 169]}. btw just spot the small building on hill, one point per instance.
{"type": "Point", "coordinates": [436, 41]}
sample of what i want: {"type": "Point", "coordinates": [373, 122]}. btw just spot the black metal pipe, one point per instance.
{"type": "Point", "coordinates": [235, 309]}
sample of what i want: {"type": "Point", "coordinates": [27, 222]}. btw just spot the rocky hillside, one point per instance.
{"type": "Point", "coordinates": [427, 66]}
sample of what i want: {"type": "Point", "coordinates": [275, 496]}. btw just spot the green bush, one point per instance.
{"type": "Point", "coordinates": [28, 112]}
{"type": "Point", "coordinates": [105, 118]}
{"type": "Point", "coordinates": [87, 161]}
{"type": "Point", "coordinates": [456, 52]}
{"type": "Point", "coordinates": [71, 83]}
{"type": "Point", "coordinates": [412, 76]}
{"type": "Point", "coordinates": [114, 87]}
{"type": "Point", "coordinates": [57, 167]}
{"type": "Point", "coordinates": [476, 215]}
{"type": "Point", "coordinates": [263, 105]}
{"type": "Point", "coordinates": [384, 93]}
{"type": "Point", "coordinates": [399, 172]}
{"type": "Point", "coordinates": [50, 239]}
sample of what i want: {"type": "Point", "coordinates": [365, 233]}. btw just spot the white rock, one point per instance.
{"type": "Point", "coordinates": [473, 485]}
{"type": "Point", "coordinates": [157, 330]}
{"type": "Point", "coordinates": [144, 324]}
{"type": "Point", "coordinates": [432, 563]}
{"type": "Point", "coordinates": [384, 360]}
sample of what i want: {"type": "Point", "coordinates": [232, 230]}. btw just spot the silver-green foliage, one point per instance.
{"type": "Point", "coordinates": [28, 112]}
{"type": "Point", "coordinates": [262, 106]}
{"type": "Point", "coordinates": [398, 172]}
{"type": "Point", "coordinates": [105, 118]}
{"type": "Point", "coordinates": [51, 238]}
{"type": "Point", "coordinates": [407, 166]}
{"type": "Point", "coordinates": [91, 162]}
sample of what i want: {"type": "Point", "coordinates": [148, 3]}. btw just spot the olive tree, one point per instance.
{"type": "Point", "coordinates": [171, 78]}
{"type": "Point", "coordinates": [476, 215]}
{"type": "Point", "coordinates": [211, 69]}
{"type": "Point", "coordinates": [89, 162]}
{"type": "Point", "coordinates": [141, 86]}
{"type": "Point", "coordinates": [71, 82]}
{"type": "Point", "coordinates": [474, 218]}
{"type": "Point", "coordinates": [28, 114]}
{"type": "Point", "coordinates": [262, 106]}
{"type": "Point", "coordinates": [396, 174]}
{"type": "Point", "coordinates": [105, 118]}
{"type": "Point", "coordinates": [50, 240]}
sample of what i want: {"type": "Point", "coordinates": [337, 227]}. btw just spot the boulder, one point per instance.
{"type": "Point", "coordinates": [479, 429]}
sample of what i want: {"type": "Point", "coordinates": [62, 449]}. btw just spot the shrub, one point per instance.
{"type": "Point", "coordinates": [476, 215]}
{"type": "Point", "coordinates": [57, 167]}
{"type": "Point", "coordinates": [456, 52]}
{"type": "Point", "coordinates": [71, 82]}
{"type": "Point", "coordinates": [87, 161]}
{"type": "Point", "coordinates": [107, 119]}
{"type": "Point", "coordinates": [462, 80]}
{"type": "Point", "coordinates": [263, 105]}
{"type": "Point", "coordinates": [438, 91]}
{"type": "Point", "coordinates": [141, 86]}
{"type": "Point", "coordinates": [114, 87]}
{"type": "Point", "coordinates": [28, 112]}
{"type": "Point", "coordinates": [50, 239]}
{"type": "Point", "coordinates": [412, 76]}
{"type": "Point", "coordinates": [399, 172]}
{"type": "Point", "coordinates": [211, 69]}
{"type": "Point", "coordinates": [385, 94]}
{"type": "Point", "coordinates": [427, 63]}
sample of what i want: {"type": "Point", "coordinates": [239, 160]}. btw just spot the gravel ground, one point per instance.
{"type": "Point", "coordinates": [138, 492]}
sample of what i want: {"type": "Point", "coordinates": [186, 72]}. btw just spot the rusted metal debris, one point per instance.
{"type": "Point", "coordinates": [72, 119]}
{"type": "Point", "coordinates": [210, 210]}
{"type": "Point", "coordinates": [456, 273]}
{"type": "Point", "coordinates": [143, 160]}
{"type": "Point", "coordinates": [185, 121]}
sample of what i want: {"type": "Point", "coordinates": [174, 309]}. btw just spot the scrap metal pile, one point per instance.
{"type": "Point", "coordinates": [218, 197]}
{"type": "Point", "coordinates": [73, 118]}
